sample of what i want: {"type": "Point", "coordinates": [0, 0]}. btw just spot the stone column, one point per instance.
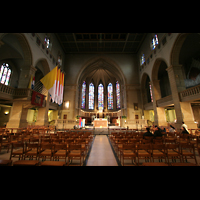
{"type": "Point", "coordinates": [183, 109]}
{"type": "Point", "coordinates": [18, 116]}
{"type": "Point", "coordinates": [42, 117]}
{"type": "Point", "coordinates": [25, 76]}
{"type": "Point", "coordinates": [159, 112]}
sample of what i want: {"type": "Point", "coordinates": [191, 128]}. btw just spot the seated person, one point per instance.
{"type": "Point", "coordinates": [157, 132]}
{"type": "Point", "coordinates": [172, 129]}
{"type": "Point", "coordinates": [148, 133]}
{"type": "Point", "coordinates": [184, 130]}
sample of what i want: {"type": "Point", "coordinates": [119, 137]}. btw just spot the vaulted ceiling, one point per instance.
{"type": "Point", "coordinates": [101, 71]}
{"type": "Point", "coordinates": [101, 42]}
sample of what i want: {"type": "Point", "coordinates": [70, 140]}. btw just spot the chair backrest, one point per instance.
{"type": "Point", "coordinates": [75, 147]}
{"type": "Point", "coordinates": [60, 146]}
{"type": "Point", "coordinates": [129, 146]}
{"type": "Point", "coordinates": [187, 146]}
{"type": "Point", "coordinates": [44, 140]}
{"type": "Point", "coordinates": [158, 146]}
{"type": "Point", "coordinates": [144, 146]}
{"type": "Point", "coordinates": [57, 140]}
{"type": "Point", "coordinates": [46, 146]}
{"type": "Point", "coordinates": [32, 145]}
{"type": "Point", "coordinates": [69, 141]}
{"type": "Point", "coordinates": [34, 140]}
{"type": "Point", "coordinates": [175, 147]}
{"type": "Point", "coordinates": [18, 145]}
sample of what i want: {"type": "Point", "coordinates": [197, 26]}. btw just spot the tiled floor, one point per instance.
{"type": "Point", "coordinates": [101, 153]}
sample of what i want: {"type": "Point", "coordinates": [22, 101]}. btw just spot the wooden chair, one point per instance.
{"type": "Point", "coordinates": [188, 152]}
{"type": "Point", "coordinates": [158, 152]}
{"type": "Point", "coordinates": [128, 151]}
{"type": "Point", "coordinates": [34, 140]}
{"type": "Point", "coordinates": [84, 145]}
{"type": "Point", "coordinates": [1, 140]}
{"type": "Point", "coordinates": [46, 140]}
{"type": "Point", "coordinates": [31, 151]}
{"type": "Point", "coordinates": [6, 141]}
{"type": "Point", "coordinates": [5, 162]}
{"type": "Point", "coordinates": [60, 151]}
{"type": "Point", "coordinates": [173, 152]}
{"type": "Point", "coordinates": [144, 151]}
{"type": "Point", "coordinates": [198, 145]}
{"type": "Point", "coordinates": [184, 139]}
{"type": "Point", "coordinates": [53, 163]}
{"type": "Point", "coordinates": [74, 152]}
{"type": "Point", "coordinates": [56, 141]}
{"type": "Point", "coordinates": [183, 164]}
{"type": "Point", "coordinates": [158, 140]}
{"type": "Point", "coordinates": [154, 164]}
{"type": "Point", "coordinates": [26, 163]}
{"type": "Point", "coordinates": [46, 150]}
{"type": "Point", "coordinates": [18, 153]}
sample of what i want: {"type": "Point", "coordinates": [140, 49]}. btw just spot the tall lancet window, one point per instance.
{"type": "Point", "coordinates": [83, 95]}
{"type": "Point", "coordinates": [110, 96]}
{"type": "Point", "coordinates": [100, 97]}
{"type": "Point", "coordinates": [151, 92]}
{"type": "Point", "coordinates": [91, 96]}
{"type": "Point", "coordinates": [118, 95]}
{"type": "Point", "coordinates": [5, 74]}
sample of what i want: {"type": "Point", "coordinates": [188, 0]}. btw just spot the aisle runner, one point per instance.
{"type": "Point", "coordinates": [101, 153]}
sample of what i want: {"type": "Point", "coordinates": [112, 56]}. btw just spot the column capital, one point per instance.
{"type": "Point", "coordinates": [173, 67]}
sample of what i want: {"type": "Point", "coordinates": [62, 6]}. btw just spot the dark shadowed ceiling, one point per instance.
{"type": "Point", "coordinates": [101, 42]}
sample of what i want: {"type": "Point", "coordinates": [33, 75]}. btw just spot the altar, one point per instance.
{"type": "Point", "coordinates": [100, 123]}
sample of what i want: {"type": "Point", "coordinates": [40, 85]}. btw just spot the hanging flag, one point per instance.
{"type": "Point", "coordinates": [57, 86]}
{"type": "Point", "coordinates": [61, 88]}
{"type": "Point", "coordinates": [54, 83]}
{"type": "Point", "coordinates": [50, 82]}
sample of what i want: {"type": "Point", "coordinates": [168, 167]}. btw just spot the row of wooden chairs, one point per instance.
{"type": "Point", "coordinates": [74, 149]}
{"type": "Point", "coordinates": [7, 140]}
{"type": "Point", "coordinates": [158, 151]}
{"type": "Point", "coordinates": [145, 148]}
{"type": "Point", "coordinates": [167, 138]}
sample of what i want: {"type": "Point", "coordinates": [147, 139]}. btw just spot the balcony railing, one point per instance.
{"type": "Point", "coordinates": [190, 94]}
{"type": "Point", "coordinates": [10, 93]}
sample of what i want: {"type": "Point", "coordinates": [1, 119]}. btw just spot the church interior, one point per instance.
{"type": "Point", "coordinates": [115, 85]}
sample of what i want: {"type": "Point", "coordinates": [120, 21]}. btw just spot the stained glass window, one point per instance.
{"type": "Point", "coordinates": [83, 95]}
{"type": "Point", "coordinates": [118, 95]}
{"type": "Point", "coordinates": [100, 97]}
{"type": "Point", "coordinates": [110, 96]}
{"type": "Point", "coordinates": [154, 42]}
{"type": "Point", "coordinates": [151, 93]}
{"type": "Point", "coordinates": [142, 59]}
{"type": "Point", "coordinates": [5, 74]}
{"type": "Point", "coordinates": [91, 96]}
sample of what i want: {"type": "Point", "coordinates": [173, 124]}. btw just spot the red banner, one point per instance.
{"type": "Point", "coordinates": [37, 99]}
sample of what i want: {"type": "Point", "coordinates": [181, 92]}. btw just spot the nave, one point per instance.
{"type": "Point", "coordinates": [96, 148]}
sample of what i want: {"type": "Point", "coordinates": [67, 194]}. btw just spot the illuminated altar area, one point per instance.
{"type": "Point", "coordinates": [100, 123]}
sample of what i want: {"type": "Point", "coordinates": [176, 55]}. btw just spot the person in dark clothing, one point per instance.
{"type": "Point", "coordinates": [157, 132]}
{"type": "Point", "coordinates": [148, 133]}
{"type": "Point", "coordinates": [184, 131]}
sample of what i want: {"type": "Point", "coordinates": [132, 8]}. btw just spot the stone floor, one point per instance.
{"type": "Point", "coordinates": [101, 153]}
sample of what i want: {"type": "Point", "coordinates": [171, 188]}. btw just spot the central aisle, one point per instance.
{"type": "Point", "coordinates": [101, 153]}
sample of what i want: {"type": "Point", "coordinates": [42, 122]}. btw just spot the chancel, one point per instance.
{"type": "Point", "coordinates": [101, 91]}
